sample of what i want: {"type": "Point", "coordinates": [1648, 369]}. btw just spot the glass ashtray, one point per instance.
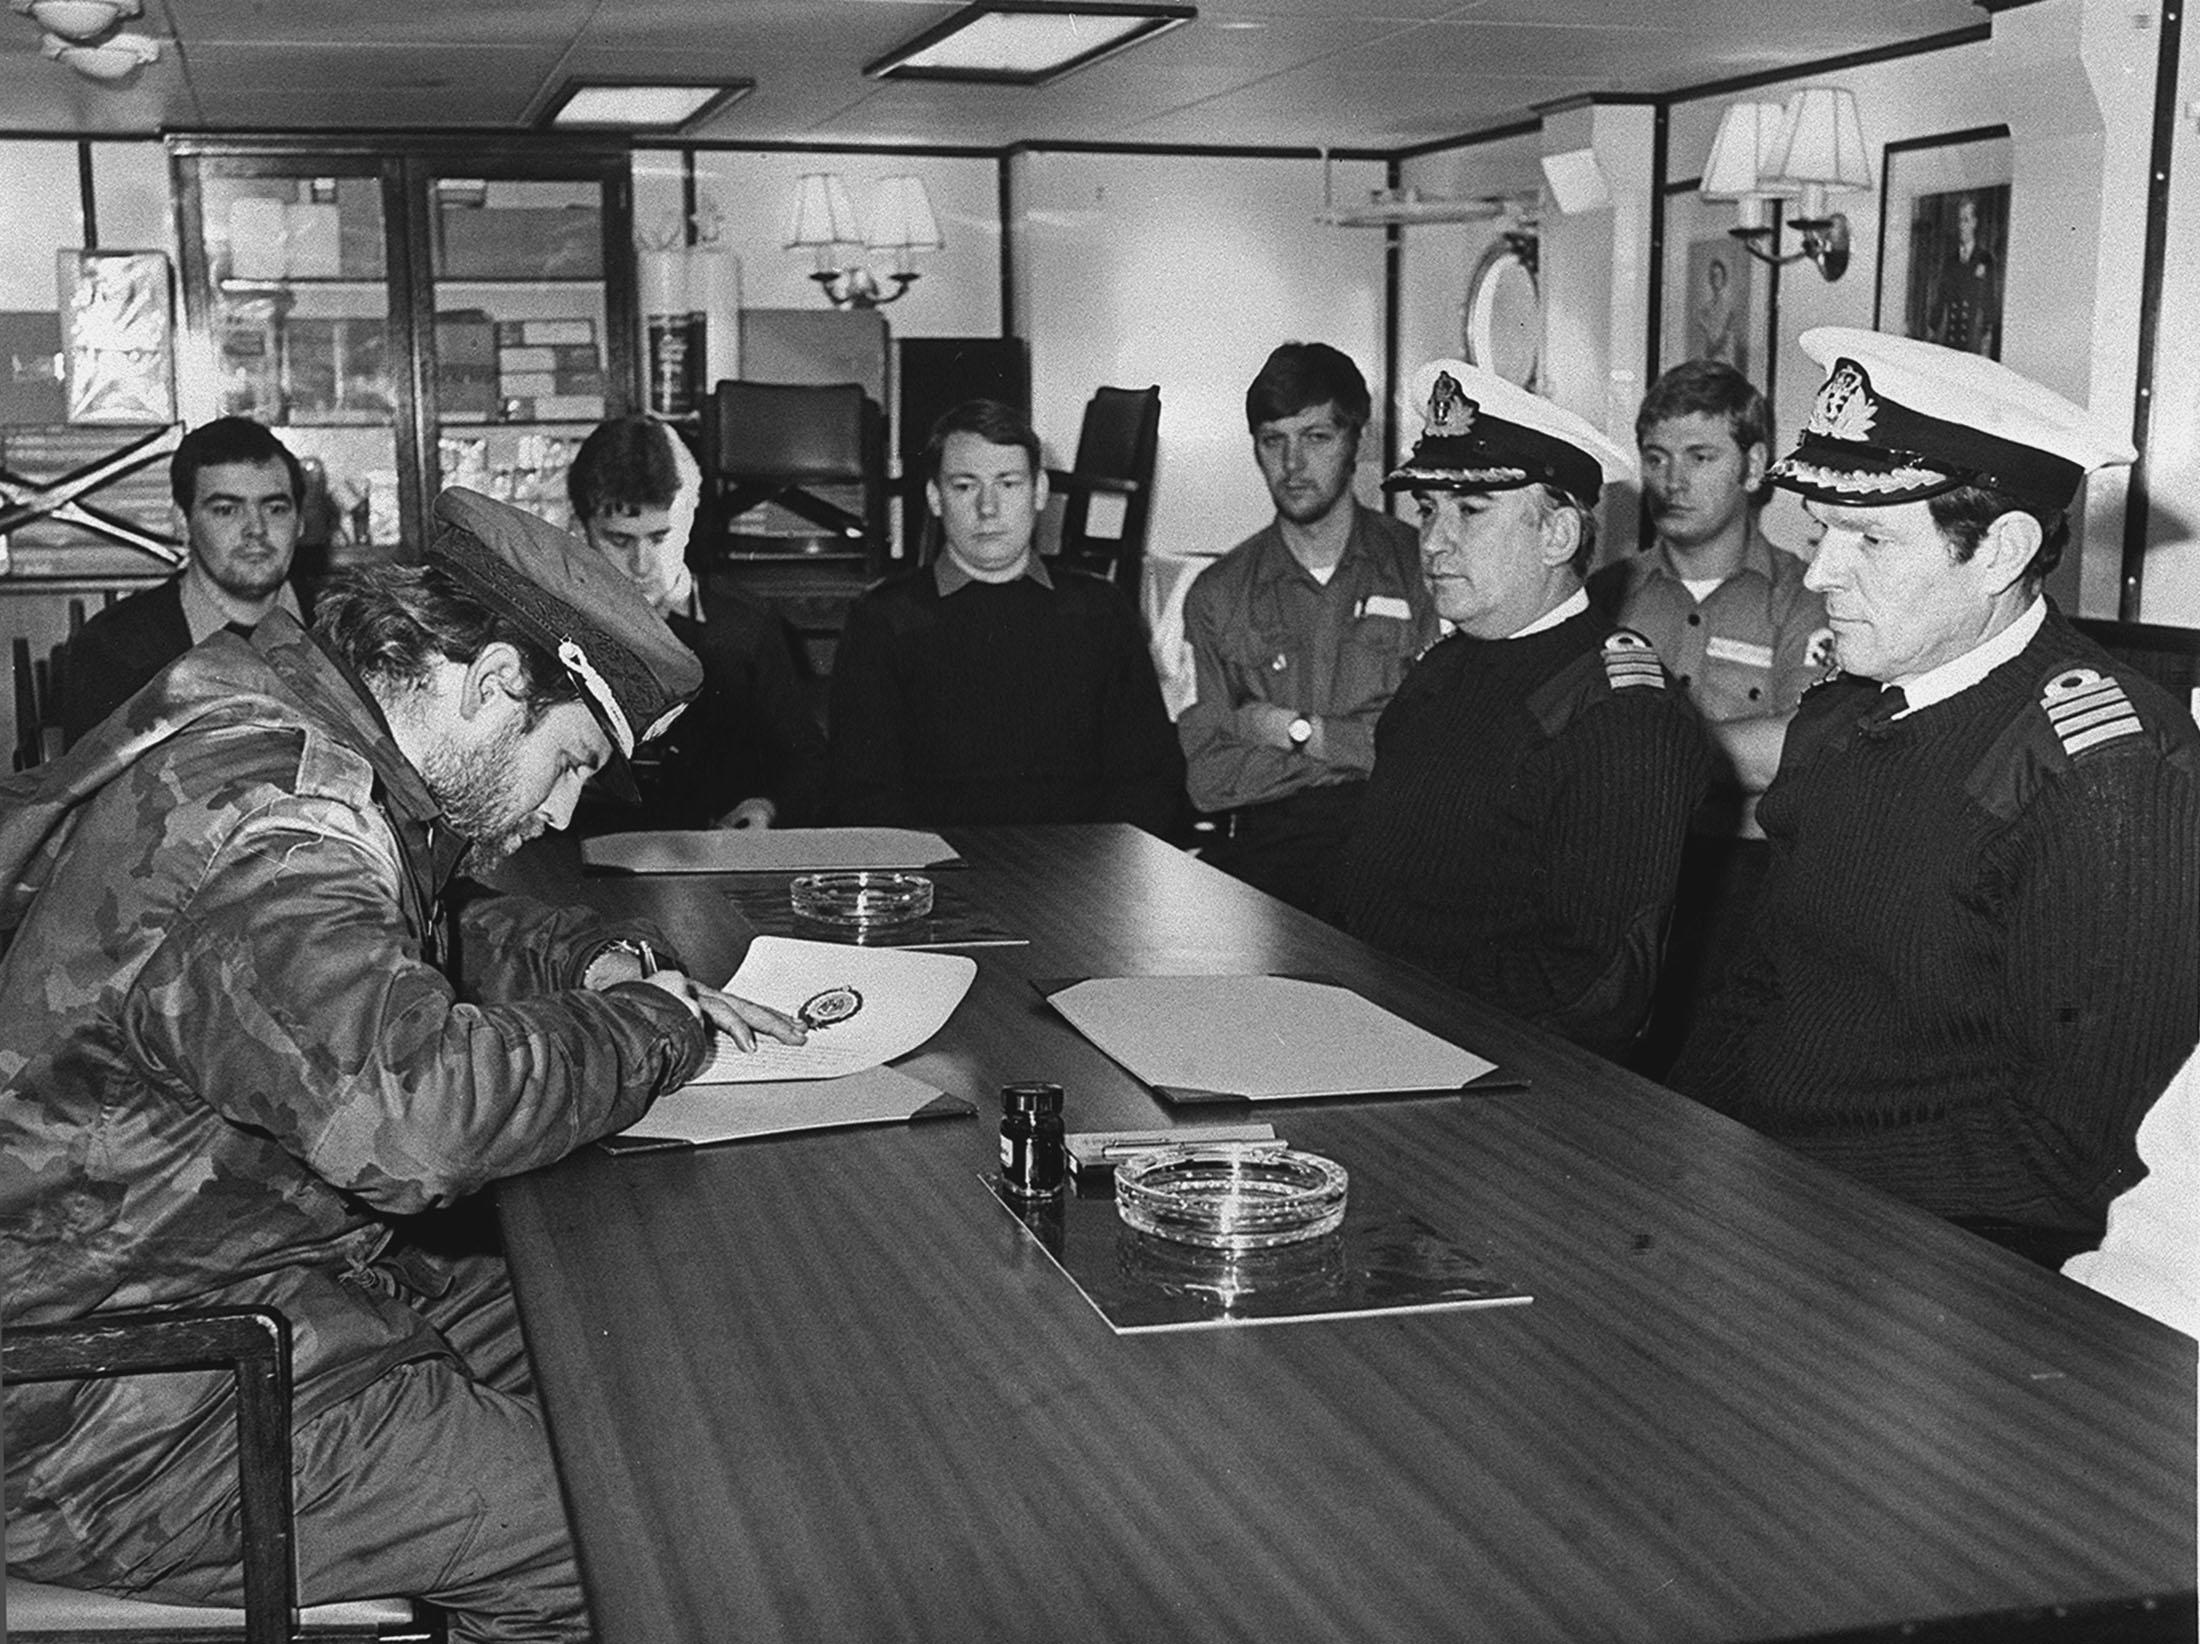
{"type": "Point", "coordinates": [1232, 1195]}
{"type": "Point", "coordinates": [860, 899]}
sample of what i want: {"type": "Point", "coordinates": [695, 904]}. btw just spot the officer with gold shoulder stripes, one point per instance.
{"type": "Point", "coordinates": [1977, 955]}
{"type": "Point", "coordinates": [1535, 772]}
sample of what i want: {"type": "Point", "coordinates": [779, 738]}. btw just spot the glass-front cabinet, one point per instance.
{"type": "Point", "coordinates": [410, 316]}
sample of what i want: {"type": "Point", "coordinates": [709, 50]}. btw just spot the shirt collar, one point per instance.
{"type": "Point", "coordinates": [1572, 607]}
{"type": "Point", "coordinates": [202, 616]}
{"type": "Point", "coordinates": [951, 578]}
{"type": "Point", "coordinates": [1280, 564]}
{"type": "Point", "coordinates": [1961, 673]}
{"type": "Point", "coordinates": [1756, 556]}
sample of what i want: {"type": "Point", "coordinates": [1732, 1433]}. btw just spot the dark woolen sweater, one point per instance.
{"type": "Point", "coordinates": [1522, 830]}
{"type": "Point", "coordinates": [1000, 702]}
{"type": "Point", "coordinates": [1977, 957]}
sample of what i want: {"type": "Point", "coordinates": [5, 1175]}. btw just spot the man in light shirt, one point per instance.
{"type": "Point", "coordinates": [1299, 636]}
{"type": "Point", "coordinates": [1976, 958]}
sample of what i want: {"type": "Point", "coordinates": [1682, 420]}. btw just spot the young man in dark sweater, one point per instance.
{"type": "Point", "coordinates": [989, 686]}
{"type": "Point", "coordinates": [1535, 773]}
{"type": "Point", "coordinates": [1977, 954]}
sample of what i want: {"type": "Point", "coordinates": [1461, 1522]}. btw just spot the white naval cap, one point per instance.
{"type": "Point", "coordinates": [1482, 433]}
{"type": "Point", "coordinates": [1898, 420]}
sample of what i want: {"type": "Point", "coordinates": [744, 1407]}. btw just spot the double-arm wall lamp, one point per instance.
{"type": "Point", "coordinates": [1803, 151]}
{"type": "Point", "coordinates": [824, 220]}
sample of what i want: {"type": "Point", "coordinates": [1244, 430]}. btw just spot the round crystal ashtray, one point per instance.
{"type": "Point", "coordinates": [861, 899]}
{"type": "Point", "coordinates": [1232, 1195]}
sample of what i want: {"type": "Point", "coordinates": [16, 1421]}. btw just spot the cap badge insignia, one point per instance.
{"type": "Point", "coordinates": [1450, 412]}
{"type": "Point", "coordinates": [1846, 408]}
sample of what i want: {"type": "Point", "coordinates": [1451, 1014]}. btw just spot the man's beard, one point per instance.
{"type": "Point", "coordinates": [473, 788]}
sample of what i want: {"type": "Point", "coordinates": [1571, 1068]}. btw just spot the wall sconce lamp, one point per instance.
{"type": "Point", "coordinates": [1802, 152]}
{"type": "Point", "coordinates": [76, 21]}
{"type": "Point", "coordinates": [825, 221]}
{"type": "Point", "coordinates": [84, 35]}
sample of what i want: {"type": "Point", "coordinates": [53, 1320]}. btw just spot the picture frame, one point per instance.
{"type": "Point", "coordinates": [117, 325]}
{"type": "Point", "coordinates": [1716, 300]}
{"type": "Point", "coordinates": [1944, 238]}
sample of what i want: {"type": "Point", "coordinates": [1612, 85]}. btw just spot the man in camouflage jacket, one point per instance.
{"type": "Point", "coordinates": [241, 1029]}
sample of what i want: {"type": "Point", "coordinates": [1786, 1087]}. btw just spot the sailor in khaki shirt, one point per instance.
{"type": "Point", "coordinates": [1732, 621]}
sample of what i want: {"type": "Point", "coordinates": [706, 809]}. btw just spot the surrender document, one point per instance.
{"type": "Point", "coordinates": [766, 850]}
{"type": "Point", "coordinates": [725, 1113]}
{"type": "Point", "coordinates": [863, 1007]}
{"type": "Point", "coordinates": [1260, 1038]}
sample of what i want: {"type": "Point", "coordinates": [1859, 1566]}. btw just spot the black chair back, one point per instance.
{"type": "Point", "coordinates": [815, 452]}
{"type": "Point", "coordinates": [1116, 450]}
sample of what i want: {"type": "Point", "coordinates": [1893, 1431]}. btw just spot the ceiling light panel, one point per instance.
{"type": "Point", "coordinates": [1025, 44]}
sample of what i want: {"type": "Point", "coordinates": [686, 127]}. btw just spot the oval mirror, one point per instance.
{"type": "Point", "coordinates": [1504, 316]}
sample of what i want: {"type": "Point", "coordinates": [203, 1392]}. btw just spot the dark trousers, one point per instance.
{"type": "Point", "coordinates": [1712, 904]}
{"type": "Point", "coordinates": [1289, 846]}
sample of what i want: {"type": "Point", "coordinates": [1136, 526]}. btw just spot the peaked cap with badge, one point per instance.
{"type": "Point", "coordinates": [1898, 420]}
{"type": "Point", "coordinates": [1482, 433]}
{"type": "Point", "coordinates": [633, 674]}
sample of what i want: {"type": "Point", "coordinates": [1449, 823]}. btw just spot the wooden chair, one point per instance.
{"type": "Point", "coordinates": [816, 452]}
{"type": "Point", "coordinates": [253, 1344]}
{"type": "Point", "coordinates": [1116, 449]}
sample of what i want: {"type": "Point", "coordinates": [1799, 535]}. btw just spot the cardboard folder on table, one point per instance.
{"type": "Point", "coordinates": [768, 850]}
{"type": "Point", "coordinates": [1262, 1039]}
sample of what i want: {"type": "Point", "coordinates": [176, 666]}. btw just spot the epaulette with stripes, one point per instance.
{"type": "Point", "coordinates": [1631, 662]}
{"type": "Point", "coordinates": [2087, 708]}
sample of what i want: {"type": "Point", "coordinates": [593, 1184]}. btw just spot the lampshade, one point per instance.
{"type": "Point", "coordinates": [115, 59]}
{"type": "Point", "coordinates": [1738, 168]}
{"type": "Point", "coordinates": [902, 220]}
{"type": "Point", "coordinates": [76, 20]}
{"type": "Point", "coordinates": [822, 214]}
{"type": "Point", "coordinates": [1821, 141]}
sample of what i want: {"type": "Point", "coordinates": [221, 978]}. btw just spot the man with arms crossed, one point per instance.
{"type": "Point", "coordinates": [1299, 635]}
{"type": "Point", "coordinates": [1730, 617]}
{"type": "Point", "coordinates": [1976, 958]}
{"type": "Point", "coordinates": [239, 491]}
{"type": "Point", "coordinates": [247, 1021]}
{"type": "Point", "coordinates": [1535, 773]}
{"type": "Point", "coordinates": [989, 686]}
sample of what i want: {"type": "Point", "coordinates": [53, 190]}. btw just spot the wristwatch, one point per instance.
{"type": "Point", "coordinates": [1301, 732]}
{"type": "Point", "coordinates": [640, 951]}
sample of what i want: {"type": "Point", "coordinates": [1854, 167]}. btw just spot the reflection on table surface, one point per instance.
{"type": "Point", "coordinates": [821, 1387]}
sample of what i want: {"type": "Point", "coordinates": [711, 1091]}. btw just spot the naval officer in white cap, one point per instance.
{"type": "Point", "coordinates": [1535, 772]}
{"type": "Point", "coordinates": [1977, 957]}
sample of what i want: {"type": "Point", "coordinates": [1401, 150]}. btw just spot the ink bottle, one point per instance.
{"type": "Point", "coordinates": [1031, 1140]}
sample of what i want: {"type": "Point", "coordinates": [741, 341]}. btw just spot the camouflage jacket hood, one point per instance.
{"type": "Point", "coordinates": [238, 1034]}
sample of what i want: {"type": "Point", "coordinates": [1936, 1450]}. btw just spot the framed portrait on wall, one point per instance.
{"type": "Point", "coordinates": [1944, 238]}
{"type": "Point", "coordinates": [1716, 301]}
{"type": "Point", "coordinates": [118, 360]}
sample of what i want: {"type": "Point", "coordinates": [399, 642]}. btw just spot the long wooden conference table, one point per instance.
{"type": "Point", "coordinates": [823, 1387]}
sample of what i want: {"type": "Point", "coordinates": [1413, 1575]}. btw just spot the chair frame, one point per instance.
{"type": "Point", "coordinates": [728, 496]}
{"type": "Point", "coordinates": [253, 1345]}
{"type": "Point", "coordinates": [1123, 565]}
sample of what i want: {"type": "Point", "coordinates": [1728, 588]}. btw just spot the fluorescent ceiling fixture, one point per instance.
{"type": "Point", "coordinates": [1025, 42]}
{"type": "Point", "coordinates": [636, 106]}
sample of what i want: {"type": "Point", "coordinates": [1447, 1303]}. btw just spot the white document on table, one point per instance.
{"type": "Point", "coordinates": [1260, 1038]}
{"type": "Point", "coordinates": [766, 850]}
{"type": "Point", "coordinates": [725, 1113]}
{"type": "Point", "coordinates": [863, 1007]}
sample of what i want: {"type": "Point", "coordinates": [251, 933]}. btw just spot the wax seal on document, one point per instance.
{"type": "Point", "coordinates": [822, 1010]}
